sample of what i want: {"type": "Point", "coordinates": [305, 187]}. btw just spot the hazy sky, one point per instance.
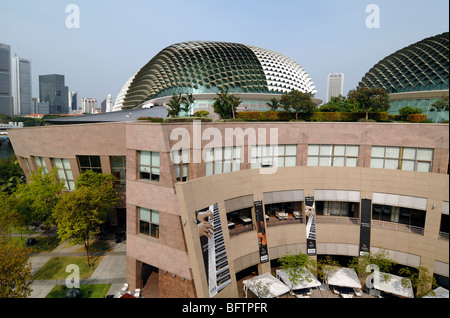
{"type": "Point", "coordinates": [116, 38]}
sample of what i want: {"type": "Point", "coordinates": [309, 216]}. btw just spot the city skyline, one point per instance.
{"type": "Point", "coordinates": [112, 41]}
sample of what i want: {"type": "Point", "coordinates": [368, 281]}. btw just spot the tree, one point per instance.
{"type": "Point", "coordinates": [10, 174]}
{"type": "Point", "coordinates": [338, 104]}
{"type": "Point", "coordinates": [80, 213]}
{"type": "Point", "coordinates": [274, 104]}
{"type": "Point", "coordinates": [8, 215]}
{"type": "Point", "coordinates": [298, 102]}
{"type": "Point", "coordinates": [296, 266]}
{"type": "Point", "coordinates": [187, 102]}
{"type": "Point", "coordinates": [175, 105]}
{"type": "Point", "coordinates": [326, 267]}
{"type": "Point", "coordinates": [225, 105]}
{"type": "Point", "coordinates": [370, 99]}
{"type": "Point", "coordinates": [421, 279]}
{"type": "Point", "coordinates": [408, 110]}
{"type": "Point", "coordinates": [37, 199]}
{"type": "Point", "coordinates": [440, 105]}
{"type": "Point", "coordinates": [15, 271]}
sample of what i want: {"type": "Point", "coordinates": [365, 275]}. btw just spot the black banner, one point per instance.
{"type": "Point", "coordinates": [310, 212]}
{"type": "Point", "coordinates": [260, 227]}
{"type": "Point", "coordinates": [366, 217]}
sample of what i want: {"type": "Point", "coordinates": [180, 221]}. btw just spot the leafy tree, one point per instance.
{"type": "Point", "coordinates": [8, 215]}
{"type": "Point", "coordinates": [10, 174]}
{"type": "Point", "coordinates": [298, 102]}
{"type": "Point", "coordinates": [80, 213]}
{"type": "Point", "coordinates": [15, 271]}
{"type": "Point", "coordinates": [326, 266]}
{"type": "Point", "coordinates": [296, 266]}
{"type": "Point", "coordinates": [338, 104]}
{"type": "Point", "coordinates": [440, 105]}
{"type": "Point", "coordinates": [188, 103]}
{"type": "Point", "coordinates": [225, 105]}
{"type": "Point", "coordinates": [408, 110]}
{"type": "Point", "coordinates": [37, 199]}
{"type": "Point", "coordinates": [421, 279]}
{"type": "Point", "coordinates": [175, 105]}
{"type": "Point", "coordinates": [370, 99]}
{"type": "Point", "coordinates": [274, 104]}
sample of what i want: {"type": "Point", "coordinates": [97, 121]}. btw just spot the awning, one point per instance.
{"type": "Point", "coordinates": [307, 280]}
{"type": "Point", "coordinates": [393, 284]}
{"type": "Point", "coordinates": [265, 286]}
{"type": "Point", "coordinates": [344, 277]}
{"type": "Point", "coordinates": [439, 292]}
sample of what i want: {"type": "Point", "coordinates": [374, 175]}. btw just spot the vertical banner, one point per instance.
{"type": "Point", "coordinates": [213, 249]}
{"type": "Point", "coordinates": [310, 212]}
{"type": "Point", "coordinates": [364, 235]}
{"type": "Point", "coordinates": [260, 227]}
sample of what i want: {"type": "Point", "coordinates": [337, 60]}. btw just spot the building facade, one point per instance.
{"type": "Point", "coordinates": [88, 105]}
{"type": "Point", "coordinates": [6, 106]}
{"type": "Point", "coordinates": [374, 186]}
{"type": "Point", "coordinates": [416, 76]}
{"type": "Point", "coordinates": [21, 86]}
{"type": "Point", "coordinates": [335, 85]}
{"type": "Point", "coordinates": [53, 91]}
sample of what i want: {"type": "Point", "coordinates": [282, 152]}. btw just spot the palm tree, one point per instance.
{"type": "Point", "coordinates": [225, 105]}
{"type": "Point", "coordinates": [175, 105]}
{"type": "Point", "coordinates": [273, 104]}
{"type": "Point", "coordinates": [188, 103]}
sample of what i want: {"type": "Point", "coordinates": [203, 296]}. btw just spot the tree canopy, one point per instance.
{"type": "Point", "coordinates": [370, 99]}
{"type": "Point", "coordinates": [297, 102]}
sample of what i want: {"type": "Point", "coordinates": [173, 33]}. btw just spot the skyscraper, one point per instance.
{"type": "Point", "coordinates": [73, 100]}
{"type": "Point", "coordinates": [5, 80]}
{"type": "Point", "coordinates": [21, 86]}
{"type": "Point", "coordinates": [53, 90]}
{"type": "Point", "coordinates": [335, 85]}
{"type": "Point", "coordinates": [88, 105]}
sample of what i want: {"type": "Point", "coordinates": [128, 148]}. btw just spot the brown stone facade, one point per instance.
{"type": "Point", "coordinates": [176, 252]}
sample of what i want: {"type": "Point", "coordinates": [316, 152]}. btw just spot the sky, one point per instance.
{"type": "Point", "coordinates": [114, 39]}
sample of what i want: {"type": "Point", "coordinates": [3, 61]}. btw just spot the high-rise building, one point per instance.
{"type": "Point", "coordinates": [6, 107]}
{"type": "Point", "coordinates": [335, 85]}
{"type": "Point", "coordinates": [88, 105]}
{"type": "Point", "coordinates": [109, 103]}
{"type": "Point", "coordinates": [73, 100]}
{"type": "Point", "coordinates": [53, 90]}
{"type": "Point", "coordinates": [21, 86]}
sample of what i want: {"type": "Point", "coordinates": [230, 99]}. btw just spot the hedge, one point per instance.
{"type": "Point", "coordinates": [186, 119]}
{"type": "Point", "coordinates": [152, 119]}
{"type": "Point", "coordinates": [416, 118]}
{"type": "Point", "coordinates": [271, 115]}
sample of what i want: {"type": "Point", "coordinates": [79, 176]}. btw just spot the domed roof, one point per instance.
{"type": "Point", "coordinates": [422, 66]}
{"type": "Point", "coordinates": [210, 67]}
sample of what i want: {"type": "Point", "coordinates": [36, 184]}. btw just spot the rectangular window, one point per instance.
{"type": "Point", "coordinates": [222, 160]}
{"type": "Point", "coordinates": [118, 170]}
{"type": "Point", "coordinates": [333, 155]}
{"type": "Point", "coordinates": [89, 163]}
{"type": "Point", "coordinates": [273, 155]}
{"type": "Point", "coordinates": [402, 158]}
{"type": "Point", "coordinates": [40, 163]}
{"type": "Point", "coordinates": [180, 159]}
{"type": "Point", "coordinates": [149, 222]}
{"type": "Point", "coordinates": [401, 215]}
{"type": "Point", "coordinates": [149, 165]}
{"type": "Point", "coordinates": [64, 172]}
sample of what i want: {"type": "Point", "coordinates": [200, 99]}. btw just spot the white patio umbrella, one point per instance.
{"type": "Point", "coordinates": [344, 277]}
{"type": "Point", "coordinates": [393, 284]}
{"type": "Point", "coordinates": [306, 281]}
{"type": "Point", "coordinates": [265, 286]}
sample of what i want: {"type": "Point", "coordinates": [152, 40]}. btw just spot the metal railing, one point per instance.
{"type": "Point", "coordinates": [336, 220]}
{"type": "Point", "coordinates": [397, 227]}
{"type": "Point", "coordinates": [276, 222]}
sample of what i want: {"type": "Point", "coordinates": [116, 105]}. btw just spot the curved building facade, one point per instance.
{"type": "Point", "coordinates": [374, 185]}
{"type": "Point", "coordinates": [416, 75]}
{"type": "Point", "coordinates": [205, 68]}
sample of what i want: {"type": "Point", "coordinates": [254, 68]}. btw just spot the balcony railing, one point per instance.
{"type": "Point", "coordinates": [397, 227]}
{"type": "Point", "coordinates": [273, 221]}
{"type": "Point", "coordinates": [336, 219]}
{"type": "Point", "coordinates": [443, 235]}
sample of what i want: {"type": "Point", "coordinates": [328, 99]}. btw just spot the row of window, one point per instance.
{"type": "Point", "coordinates": [64, 170]}
{"type": "Point", "coordinates": [228, 159]}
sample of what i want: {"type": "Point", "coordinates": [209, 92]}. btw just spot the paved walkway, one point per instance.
{"type": "Point", "coordinates": [111, 270]}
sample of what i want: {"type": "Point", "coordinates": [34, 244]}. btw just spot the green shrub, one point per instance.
{"type": "Point", "coordinates": [152, 119]}
{"type": "Point", "coordinates": [201, 113]}
{"type": "Point", "coordinates": [186, 119]}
